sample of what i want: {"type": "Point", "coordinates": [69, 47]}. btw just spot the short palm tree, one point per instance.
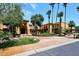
{"type": "Point", "coordinates": [60, 15]}
{"type": "Point", "coordinates": [65, 6]}
{"type": "Point", "coordinates": [49, 13]}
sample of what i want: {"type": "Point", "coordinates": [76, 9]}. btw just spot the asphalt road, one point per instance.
{"type": "Point", "coordinates": [66, 50]}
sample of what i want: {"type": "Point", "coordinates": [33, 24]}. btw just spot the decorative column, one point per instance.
{"type": "Point", "coordinates": [28, 29]}
{"type": "Point", "coordinates": [50, 28]}
{"type": "Point", "coordinates": [18, 30]}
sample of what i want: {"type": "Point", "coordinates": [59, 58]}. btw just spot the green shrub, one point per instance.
{"type": "Point", "coordinates": [8, 43]}
{"type": "Point", "coordinates": [20, 41]}
{"type": "Point", "coordinates": [66, 31]}
{"type": "Point", "coordinates": [57, 30]}
{"type": "Point", "coordinates": [5, 35]}
{"type": "Point", "coordinates": [47, 34]}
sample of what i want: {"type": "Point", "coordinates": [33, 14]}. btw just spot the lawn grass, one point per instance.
{"type": "Point", "coordinates": [24, 41]}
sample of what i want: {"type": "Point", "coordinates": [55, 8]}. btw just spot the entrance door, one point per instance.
{"type": "Point", "coordinates": [22, 30]}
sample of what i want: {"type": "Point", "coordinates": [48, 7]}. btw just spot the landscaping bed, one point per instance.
{"type": "Point", "coordinates": [17, 42]}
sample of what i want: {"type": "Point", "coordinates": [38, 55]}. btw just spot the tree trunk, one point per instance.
{"type": "Point", "coordinates": [60, 25]}
{"type": "Point", "coordinates": [65, 18]}
{"type": "Point", "coordinates": [13, 31]}
{"type": "Point", "coordinates": [57, 14]}
{"type": "Point", "coordinates": [71, 29]}
{"type": "Point", "coordinates": [49, 25]}
{"type": "Point", "coordinates": [52, 14]}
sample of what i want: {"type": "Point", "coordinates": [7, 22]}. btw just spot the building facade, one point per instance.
{"type": "Point", "coordinates": [52, 27]}
{"type": "Point", "coordinates": [26, 28]}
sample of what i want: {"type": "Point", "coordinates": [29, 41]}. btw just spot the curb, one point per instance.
{"type": "Point", "coordinates": [44, 49]}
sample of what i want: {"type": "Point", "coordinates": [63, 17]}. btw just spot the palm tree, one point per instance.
{"type": "Point", "coordinates": [57, 14]}
{"type": "Point", "coordinates": [71, 24]}
{"type": "Point", "coordinates": [77, 8]}
{"type": "Point", "coordinates": [65, 6]}
{"type": "Point", "coordinates": [60, 15]}
{"type": "Point", "coordinates": [52, 4]}
{"type": "Point", "coordinates": [49, 13]}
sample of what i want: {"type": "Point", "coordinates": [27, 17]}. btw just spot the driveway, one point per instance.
{"type": "Point", "coordinates": [65, 50]}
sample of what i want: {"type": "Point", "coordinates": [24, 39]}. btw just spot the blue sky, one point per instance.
{"type": "Point", "coordinates": [30, 9]}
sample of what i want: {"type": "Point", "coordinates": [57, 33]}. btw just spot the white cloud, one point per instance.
{"type": "Point", "coordinates": [26, 12]}
{"type": "Point", "coordinates": [33, 5]}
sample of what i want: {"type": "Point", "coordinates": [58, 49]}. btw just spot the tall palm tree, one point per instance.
{"type": "Point", "coordinates": [49, 13]}
{"type": "Point", "coordinates": [57, 14]}
{"type": "Point", "coordinates": [60, 15]}
{"type": "Point", "coordinates": [65, 6]}
{"type": "Point", "coordinates": [52, 4]}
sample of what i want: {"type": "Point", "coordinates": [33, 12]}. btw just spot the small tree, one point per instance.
{"type": "Point", "coordinates": [71, 24]}
{"type": "Point", "coordinates": [14, 17]}
{"type": "Point", "coordinates": [36, 21]}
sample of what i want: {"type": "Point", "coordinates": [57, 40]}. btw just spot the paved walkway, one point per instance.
{"type": "Point", "coordinates": [44, 42]}
{"type": "Point", "coordinates": [65, 50]}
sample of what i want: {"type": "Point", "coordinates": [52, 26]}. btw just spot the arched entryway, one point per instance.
{"type": "Point", "coordinates": [23, 31]}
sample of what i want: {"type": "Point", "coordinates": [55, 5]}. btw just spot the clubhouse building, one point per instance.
{"type": "Point", "coordinates": [27, 28]}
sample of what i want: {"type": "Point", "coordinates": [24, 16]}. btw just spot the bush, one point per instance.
{"type": "Point", "coordinates": [47, 34]}
{"type": "Point", "coordinates": [8, 43]}
{"type": "Point", "coordinates": [57, 31]}
{"type": "Point", "coordinates": [20, 41]}
{"type": "Point", "coordinates": [5, 35]}
{"type": "Point", "coordinates": [66, 31]}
